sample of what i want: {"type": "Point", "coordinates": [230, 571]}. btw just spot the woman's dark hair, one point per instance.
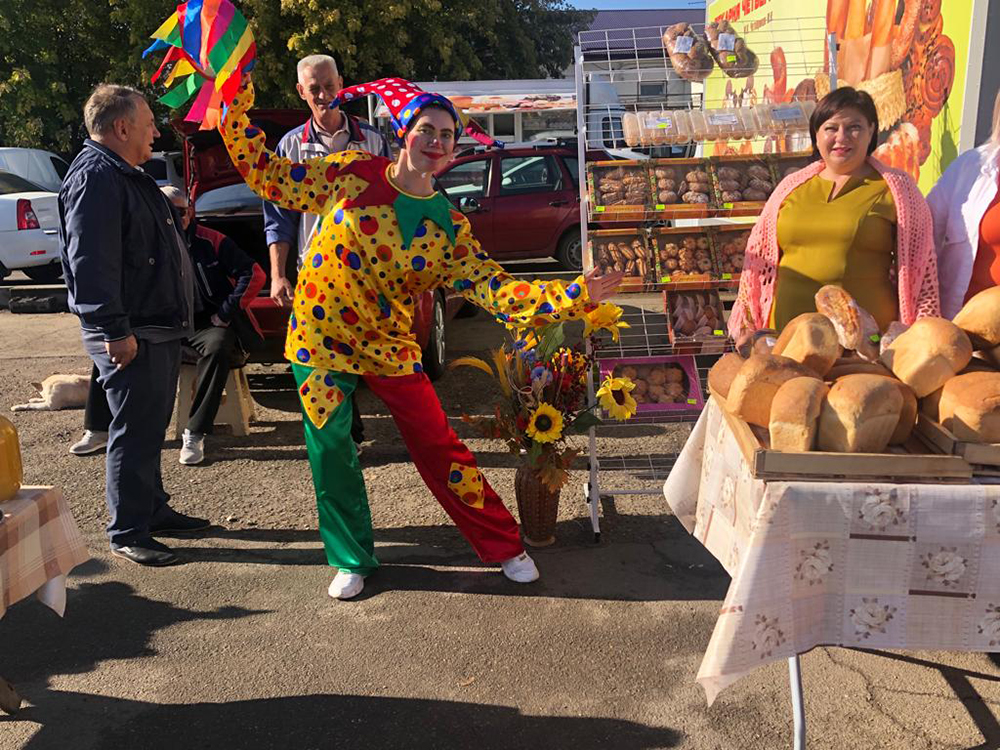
{"type": "Point", "coordinates": [837, 101]}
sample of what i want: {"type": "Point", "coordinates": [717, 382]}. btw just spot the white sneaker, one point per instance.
{"type": "Point", "coordinates": [520, 569]}
{"type": "Point", "coordinates": [346, 585]}
{"type": "Point", "coordinates": [193, 449]}
{"type": "Point", "coordinates": [91, 442]}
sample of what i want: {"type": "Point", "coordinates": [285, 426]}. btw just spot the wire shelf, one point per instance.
{"type": "Point", "coordinates": [654, 467]}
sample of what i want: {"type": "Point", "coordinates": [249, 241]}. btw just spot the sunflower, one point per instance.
{"type": "Point", "coordinates": [615, 397]}
{"type": "Point", "coordinates": [605, 317]}
{"type": "Point", "coordinates": [546, 424]}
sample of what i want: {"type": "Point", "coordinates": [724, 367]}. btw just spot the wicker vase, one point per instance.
{"type": "Point", "coordinates": [537, 506]}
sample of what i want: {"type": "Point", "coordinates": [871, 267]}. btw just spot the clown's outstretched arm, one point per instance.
{"type": "Point", "coordinates": [523, 304]}
{"type": "Point", "coordinates": [306, 186]}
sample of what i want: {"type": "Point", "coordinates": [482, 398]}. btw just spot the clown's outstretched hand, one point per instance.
{"type": "Point", "coordinates": [602, 286]}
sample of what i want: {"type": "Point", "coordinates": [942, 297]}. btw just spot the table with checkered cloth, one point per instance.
{"type": "Point", "coordinates": [870, 565]}
{"type": "Point", "coordinates": [39, 544]}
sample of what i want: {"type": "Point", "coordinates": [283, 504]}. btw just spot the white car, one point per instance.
{"type": "Point", "coordinates": [35, 165]}
{"type": "Point", "coordinates": [29, 229]}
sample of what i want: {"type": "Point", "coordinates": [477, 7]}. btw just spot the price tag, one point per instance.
{"type": "Point", "coordinates": [664, 279]}
{"type": "Point", "coordinates": [723, 119]}
{"type": "Point", "coordinates": [718, 333]}
{"type": "Point", "coordinates": [730, 58]}
{"type": "Point", "coordinates": [664, 122]}
{"type": "Point", "coordinates": [875, 338]}
{"type": "Point", "coordinates": [683, 44]}
{"type": "Point", "coordinates": [692, 401]}
{"type": "Point", "coordinates": [727, 276]}
{"type": "Point", "coordinates": [599, 209]}
{"type": "Point", "coordinates": [660, 206]}
{"type": "Point", "coordinates": [725, 205]}
{"type": "Point", "coordinates": [786, 114]}
{"type": "Point", "coordinates": [727, 42]}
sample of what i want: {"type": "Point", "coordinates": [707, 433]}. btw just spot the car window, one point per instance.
{"type": "Point", "coordinates": [528, 174]}
{"type": "Point", "coordinates": [60, 166]}
{"type": "Point", "coordinates": [573, 165]}
{"type": "Point", "coordinates": [155, 168]}
{"type": "Point", "coordinates": [11, 183]}
{"type": "Point", "coordinates": [466, 180]}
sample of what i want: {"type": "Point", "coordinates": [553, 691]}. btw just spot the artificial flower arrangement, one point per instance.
{"type": "Point", "coordinates": [544, 387]}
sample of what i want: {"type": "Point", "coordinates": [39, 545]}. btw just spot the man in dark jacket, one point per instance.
{"type": "Point", "coordinates": [130, 282]}
{"type": "Point", "coordinates": [226, 280]}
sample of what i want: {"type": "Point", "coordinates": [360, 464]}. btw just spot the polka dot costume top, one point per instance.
{"type": "Point", "coordinates": [376, 250]}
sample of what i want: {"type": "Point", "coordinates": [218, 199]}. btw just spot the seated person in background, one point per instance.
{"type": "Point", "coordinates": [226, 281]}
{"type": "Point", "coordinates": [845, 219]}
{"type": "Point", "coordinates": [965, 204]}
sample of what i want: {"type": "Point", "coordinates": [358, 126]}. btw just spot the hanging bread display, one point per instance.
{"type": "Point", "coordinates": [689, 53]}
{"type": "Point", "coordinates": [730, 50]}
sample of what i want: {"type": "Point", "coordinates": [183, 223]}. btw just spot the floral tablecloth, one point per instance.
{"type": "Point", "coordinates": [39, 544]}
{"type": "Point", "coordinates": [907, 566]}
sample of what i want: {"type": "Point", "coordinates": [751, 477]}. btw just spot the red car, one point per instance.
{"type": "Point", "coordinates": [523, 200]}
{"type": "Point", "coordinates": [224, 202]}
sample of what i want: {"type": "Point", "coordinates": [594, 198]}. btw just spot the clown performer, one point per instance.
{"type": "Point", "coordinates": [386, 236]}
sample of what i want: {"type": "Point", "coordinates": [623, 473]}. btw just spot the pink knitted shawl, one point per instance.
{"type": "Point", "coordinates": [916, 260]}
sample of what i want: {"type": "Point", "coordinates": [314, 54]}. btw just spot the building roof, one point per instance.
{"type": "Point", "coordinates": [625, 31]}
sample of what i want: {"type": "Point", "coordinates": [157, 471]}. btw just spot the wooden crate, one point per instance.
{"type": "Point", "coordinates": [914, 462]}
{"type": "Point", "coordinates": [977, 454]}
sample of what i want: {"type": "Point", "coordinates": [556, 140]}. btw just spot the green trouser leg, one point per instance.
{"type": "Point", "coordinates": [345, 522]}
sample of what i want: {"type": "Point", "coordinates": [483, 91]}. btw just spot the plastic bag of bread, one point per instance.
{"type": "Point", "coordinates": [730, 50]}
{"type": "Point", "coordinates": [891, 334]}
{"type": "Point", "coordinates": [856, 328]}
{"type": "Point", "coordinates": [689, 52]}
{"type": "Point", "coordinates": [630, 129]}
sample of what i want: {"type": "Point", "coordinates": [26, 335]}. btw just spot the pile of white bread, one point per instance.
{"type": "Point", "coordinates": [832, 382]}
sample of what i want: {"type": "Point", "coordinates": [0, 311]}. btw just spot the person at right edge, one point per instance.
{"type": "Point", "coordinates": [131, 284]}
{"type": "Point", "coordinates": [965, 204]}
{"type": "Point", "coordinates": [846, 219]}
{"type": "Point", "coordinates": [327, 131]}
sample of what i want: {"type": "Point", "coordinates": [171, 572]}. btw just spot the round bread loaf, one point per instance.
{"type": "Point", "coordinates": [980, 318]}
{"type": "Point", "coordinates": [844, 367]}
{"type": "Point", "coordinates": [970, 407]}
{"type": "Point", "coordinates": [722, 374]}
{"type": "Point", "coordinates": [860, 414]}
{"type": "Point", "coordinates": [810, 339]}
{"type": "Point", "coordinates": [755, 385]}
{"type": "Point", "coordinates": [928, 354]}
{"type": "Point", "coordinates": [795, 413]}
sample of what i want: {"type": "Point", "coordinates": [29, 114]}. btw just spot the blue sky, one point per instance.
{"type": "Point", "coordinates": [636, 4]}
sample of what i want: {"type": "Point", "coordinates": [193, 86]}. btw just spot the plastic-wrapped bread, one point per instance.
{"type": "Point", "coordinates": [682, 118]}
{"type": "Point", "coordinates": [855, 326]}
{"type": "Point", "coordinates": [724, 124]}
{"type": "Point", "coordinates": [689, 52]}
{"type": "Point", "coordinates": [928, 354]}
{"type": "Point", "coordinates": [795, 414]}
{"type": "Point", "coordinates": [699, 126]}
{"type": "Point", "coordinates": [860, 415]}
{"type": "Point", "coordinates": [730, 50]}
{"type": "Point", "coordinates": [630, 129]}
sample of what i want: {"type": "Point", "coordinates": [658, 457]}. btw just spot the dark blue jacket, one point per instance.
{"type": "Point", "coordinates": [118, 239]}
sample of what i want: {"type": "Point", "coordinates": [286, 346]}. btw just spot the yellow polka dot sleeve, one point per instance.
{"type": "Point", "coordinates": [482, 281]}
{"type": "Point", "coordinates": [307, 186]}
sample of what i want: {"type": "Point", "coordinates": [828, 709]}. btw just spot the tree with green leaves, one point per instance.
{"type": "Point", "coordinates": [53, 52]}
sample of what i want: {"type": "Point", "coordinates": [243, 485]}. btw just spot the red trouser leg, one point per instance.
{"type": "Point", "coordinates": [441, 458]}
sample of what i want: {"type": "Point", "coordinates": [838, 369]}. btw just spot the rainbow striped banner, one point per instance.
{"type": "Point", "coordinates": [209, 47]}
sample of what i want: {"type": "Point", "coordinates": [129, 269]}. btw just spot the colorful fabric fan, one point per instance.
{"type": "Point", "coordinates": [404, 100]}
{"type": "Point", "coordinates": [209, 47]}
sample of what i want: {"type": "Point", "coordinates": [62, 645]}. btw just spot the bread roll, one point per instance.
{"type": "Point", "coordinates": [810, 339]}
{"type": "Point", "coordinates": [970, 407]}
{"type": "Point", "coordinates": [754, 386]}
{"type": "Point", "coordinates": [859, 415]}
{"type": "Point", "coordinates": [723, 372]}
{"type": "Point", "coordinates": [928, 354]}
{"type": "Point", "coordinates": [794, 414]}
{"type": "Point", "coordinates": [980, 319]}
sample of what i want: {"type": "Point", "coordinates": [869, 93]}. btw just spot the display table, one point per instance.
{"type": "Point", "coordinates": [39, 544]}
{"type": "Point", "coordinates": [904, 566]}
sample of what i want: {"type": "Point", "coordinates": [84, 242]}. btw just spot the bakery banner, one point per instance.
{"type": "Point", "coordinates": [910, 55]}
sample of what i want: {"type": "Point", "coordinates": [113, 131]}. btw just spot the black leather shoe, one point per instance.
{"type": "Point", "coordinates": [169, 521]}
{"type": "Point", "coordinates": [148, 552]}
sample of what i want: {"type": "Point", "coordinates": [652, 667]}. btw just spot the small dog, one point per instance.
{"type": "Point", "coordinates": [58, 392]}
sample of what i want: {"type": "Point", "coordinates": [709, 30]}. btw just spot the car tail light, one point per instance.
{"type": "Point", "coordinates": [26, 218]}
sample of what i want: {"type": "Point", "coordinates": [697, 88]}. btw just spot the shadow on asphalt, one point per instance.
{"type": "Point", "coordinates": [322, 721]}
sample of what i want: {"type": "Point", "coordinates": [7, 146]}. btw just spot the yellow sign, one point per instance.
{"type": "Point", "coordinates": [914, 66]}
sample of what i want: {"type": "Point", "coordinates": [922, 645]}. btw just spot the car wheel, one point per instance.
{"type": "Point", "coordinates": [44, 274]}
{"type": "Point", "coordinates": [433, 360]}
{"type": "Point", "coordinates": [570, 251]}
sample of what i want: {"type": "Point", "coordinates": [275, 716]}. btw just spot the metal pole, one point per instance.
{"type": "Point", "coordinates": [798, 708]}
{"type": "Point", "coordinates": [831, 42]}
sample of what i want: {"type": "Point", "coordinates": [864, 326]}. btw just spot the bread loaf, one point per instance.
{"type": "Point", "coordinates": [856, 328]}
{"type": "Point", "coordinates": [928, 354]}
{"type": "Point", "coordinates": [970, 407]}
{"type": "Point", "coordinates": [754, 386]}
{"type": "Point", "coordinates": [810, 339]}
{"type": "Point", "coordinates": [723, 372]}
{"type": "Point", "coordinates": [844, 367]}
{"type": "Point", "coordinates": [794, 414]}
{"type": "Point", "coordinates": [907, 415]}
{"type": "Point", "coordinates": [859, 415]}
{"type": "Point", "coordinates": [980, 318]}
